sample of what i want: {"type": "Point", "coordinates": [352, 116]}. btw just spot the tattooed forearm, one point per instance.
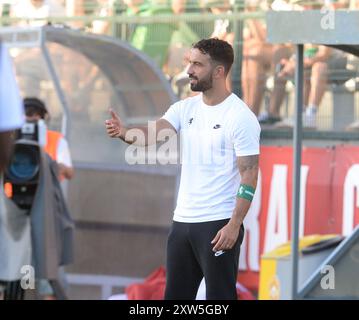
{"type": "Point", "coordinates": [248, 163]}
{"type": "Point", "coordinates": [248, 169]}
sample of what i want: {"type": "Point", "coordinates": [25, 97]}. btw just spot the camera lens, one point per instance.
{"type": "Point", "coordinates": [25, 163]}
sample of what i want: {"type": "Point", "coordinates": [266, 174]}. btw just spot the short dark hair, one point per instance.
{"type": "Point", "coordinates": [219, 50]}
{"type": "Point", "coordinates": [35, 106]}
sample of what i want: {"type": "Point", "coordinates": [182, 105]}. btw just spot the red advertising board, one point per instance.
{"type": "Point", "coordinates": [329, 201]}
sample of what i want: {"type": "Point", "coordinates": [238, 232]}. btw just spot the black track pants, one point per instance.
{"type": "Point", "coordinates": [190, 258]}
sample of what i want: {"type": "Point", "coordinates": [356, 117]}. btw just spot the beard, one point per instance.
{"type": "Point", "coordinates": [202, 85]}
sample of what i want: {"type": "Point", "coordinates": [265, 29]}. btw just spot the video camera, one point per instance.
{"type": "Point", "coordinates": [24, 168]}
{"type": "Point", "coordinates": [36, 213]}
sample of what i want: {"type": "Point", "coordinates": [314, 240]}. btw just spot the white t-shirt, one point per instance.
{"type": "Point", "coordinates": [211, 139]}
{"type": "Point", "coordinates": [63, 156]}
{"type": "Point", "coordinates": [63, 153]}
{"type": "Point", "coordinates": [25, 9]}
{"type": "Point", "coordinates": [11, 106]}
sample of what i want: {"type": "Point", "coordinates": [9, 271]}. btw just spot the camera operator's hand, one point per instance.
{"type": "Point", "coordinates": [114, 126]}
{"type": "Point", "coordinates": [65, 171]}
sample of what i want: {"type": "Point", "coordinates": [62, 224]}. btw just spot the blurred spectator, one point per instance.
{"type": "Point", "coordinates": [108, 8]}
{"type": "Point", "coordinates": [257, 60]}
{"type": "Point", "coordinates": [105, 9]}
{"type": "Point", "coordinates": [272, 115]}
{"type": "Point", "coordinates": [319, 62]}
{"type": "Point", "coordinates": [152, 39]}
{"type": "Point", "coordinates": [4, 10]}
{"type": "Point", "coordinates": [260, 57]}
{"type": "Point", "coordinates": [79, 78]}
{"type": "Point", "coordinates": [337, 4]}
{"type": "Point", "coordinates": [57, 148]}
{"type": "Point", "coordinates": [186, 34]}
{"type": "Point", "coordinates": [222, 28]}
{"type": "Point", "coordinates": [132, 8]}
{"type": "Point", "coordinates": [200, 29]}
{"type": "Point", "coordinates": [282, 5]}
{"type": "Point", "coordinates": [75, 8]}
{"type": "Point", "coordinates": [39, 10]}
{"type": "Point", "coordinates": [353, 4]}
{"type": "Point", "coordinates": [56, 144]}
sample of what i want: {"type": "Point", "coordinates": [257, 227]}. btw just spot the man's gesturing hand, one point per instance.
{"type": "Point", "coordinates": [114, 125]}
{"type": "Point", "coordinates": [226, 237]}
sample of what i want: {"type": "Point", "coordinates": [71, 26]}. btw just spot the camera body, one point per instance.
{"type": "Point", "coordinates": [32, 131]}
{"type": "Point", "coordinates": [22, 174]}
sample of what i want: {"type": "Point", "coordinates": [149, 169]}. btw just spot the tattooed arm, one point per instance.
{"type": "Point", "coordinates": [227, 236]}
{"type": "Point", "coordinates": [248, 169]}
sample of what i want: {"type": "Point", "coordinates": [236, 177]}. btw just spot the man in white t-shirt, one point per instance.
{"type": "Point", "coordinates": [11, 109]}
{"type": "Point", "coordinates": [220, 152]}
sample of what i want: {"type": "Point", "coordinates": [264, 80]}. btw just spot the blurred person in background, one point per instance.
{"type": "Point", "coordinates": [56, 144]}
{"type": "Point", "coordinates": [222, 28]}
{"type": "Point", "coordinates": [319, 62]}
{"type": "Point", "coordinates": [132, 8]}
{"type": "Point", "coordinates": [75, 8]}
{"type": "Point", "coordinates": [58, 150]}
{"type": "Point", "coordinates": [36, 12]}
{"type": "Point", "coordinates": [153, 39]}
{"type": "Point", "coordinates": [270, 116]}
{"type": "Point", "coordinates": [187, 32]}
{"type": "Point", "coordinates": [259, 59]}
{"type": "Point", "coordinates": [4, 10]}
{"type": "Point", "coordinates": [105, 9]}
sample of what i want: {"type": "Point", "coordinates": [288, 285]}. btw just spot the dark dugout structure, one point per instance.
{"type": "Point", "coordinates": [122, 212]}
